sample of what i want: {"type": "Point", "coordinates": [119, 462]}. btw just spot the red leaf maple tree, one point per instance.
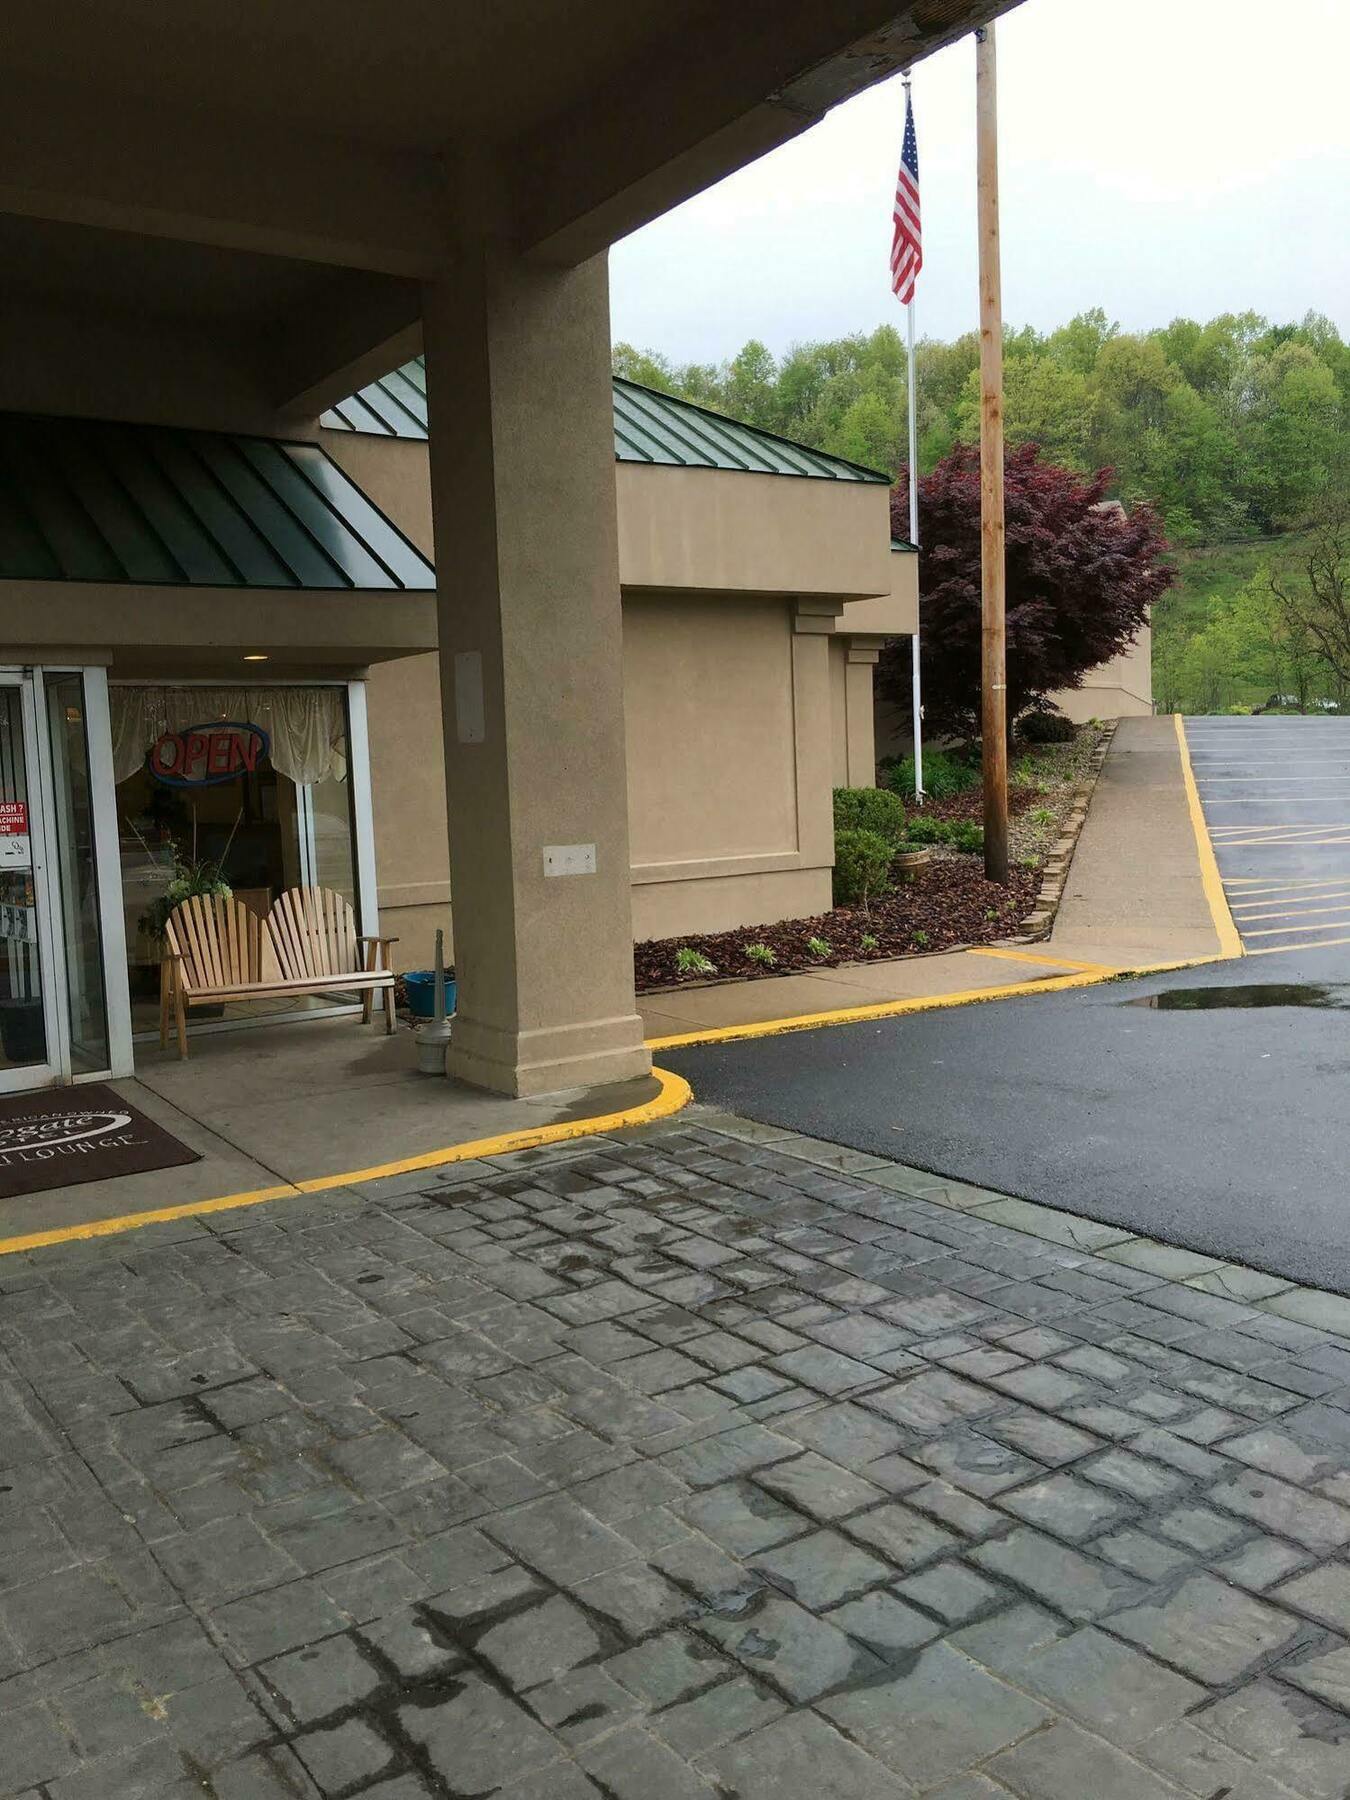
{"type": "Point", "coordinates": [1082, 574]}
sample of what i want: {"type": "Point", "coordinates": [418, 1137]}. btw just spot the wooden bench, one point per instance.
{"type": "Point", "coordinates": [218, 949]}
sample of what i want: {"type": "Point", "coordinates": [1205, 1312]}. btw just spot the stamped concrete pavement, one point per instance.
{"type": "Point", "coordinates": [707, 1461]}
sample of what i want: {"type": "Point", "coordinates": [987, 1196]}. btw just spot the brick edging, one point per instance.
{"type": "Point", "coordinates": [1039, 922]}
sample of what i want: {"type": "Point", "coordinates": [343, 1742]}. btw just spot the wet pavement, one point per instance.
{"type": "Point", "coordinates": [696, 1463]}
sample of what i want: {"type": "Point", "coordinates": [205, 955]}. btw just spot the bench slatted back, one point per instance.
{"type": "Point", "coordinates": [313, 932]}
{"type": "Point", "coordinates": [220, 941]}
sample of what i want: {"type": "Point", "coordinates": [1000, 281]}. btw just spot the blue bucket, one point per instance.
{"type": "Point", "coordinates": [421, 986]}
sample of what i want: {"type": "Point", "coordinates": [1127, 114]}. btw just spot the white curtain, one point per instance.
{"type": "Point", "coordinates": [307, 725]}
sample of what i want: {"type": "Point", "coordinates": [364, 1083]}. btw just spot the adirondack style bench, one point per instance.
{"type": "Point", "coordinates": [218, 949]}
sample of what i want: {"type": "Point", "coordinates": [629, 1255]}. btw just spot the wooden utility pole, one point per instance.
{"type": "Point", "coordinates": [993, 665]}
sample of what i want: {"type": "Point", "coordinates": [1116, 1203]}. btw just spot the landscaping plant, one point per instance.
{"type": "Point", "coordinates": [762, 954]}
{"type": "Point", "coordinates": [862, 865]}
{"type": "Point", "coordinates": [958, 834]}
{"type": "Point", "coordinates": [870, 809]}
{"type": "Point", "coordinates": [694, 962]}
{"type": "Point", "coordinates": [1043, 727]}
{"type": "Point", "coordinates": [943, 774]}
{"type": "Point", "coordinates": [818, 946]}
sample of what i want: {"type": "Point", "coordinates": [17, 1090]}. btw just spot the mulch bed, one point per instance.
{"type": "Point", "coordinates": [949, 903]}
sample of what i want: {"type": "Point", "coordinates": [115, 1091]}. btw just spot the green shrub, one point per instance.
{"type": "Point", "coordinates": [943, 775]}
{"type": "Point", "coordinates": [961, 834]}
{"type": "Point", "coordinates": [868, 942]}
{"type": "Point", "coordinates": [869, 809]}
{"type": "Point", "coordinates": [762, 954]}
{"type": "Point", "coordinates": [1046, 728]}
{"type": "Point", "coordinates": [818, 946]}
{"type": "Point", "coordinates": [862, 863]}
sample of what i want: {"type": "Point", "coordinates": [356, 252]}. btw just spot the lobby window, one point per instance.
{"type": "Point", "coordinates": [247, 785]}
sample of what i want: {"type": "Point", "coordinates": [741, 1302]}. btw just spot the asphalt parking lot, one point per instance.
{"type": "Point", "coordinates": [1203, 1106]}
{"type": "Point", "coordinates": [1276, 794]}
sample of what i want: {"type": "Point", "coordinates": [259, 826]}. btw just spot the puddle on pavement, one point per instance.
{"type": "Point", "coordinates": [1263, 993]}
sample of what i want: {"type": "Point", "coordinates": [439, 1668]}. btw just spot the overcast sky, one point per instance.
{"type": "Point", "coordinates": [1160, 157]}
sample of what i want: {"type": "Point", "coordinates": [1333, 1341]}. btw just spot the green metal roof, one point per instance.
{"type": "Point", "coordinates": [82, 500]}
{"type": "Point", "coordinates": [649, 427]}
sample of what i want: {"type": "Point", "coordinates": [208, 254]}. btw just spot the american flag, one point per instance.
{"type": "Point", "coordinates": [907, 244]}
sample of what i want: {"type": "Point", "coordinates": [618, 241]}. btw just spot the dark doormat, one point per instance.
{"type": "Point", "coordinates": [67, 1135]}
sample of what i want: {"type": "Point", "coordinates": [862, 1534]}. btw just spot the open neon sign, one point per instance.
{"type": "Point", "coordinates": [206, 755]}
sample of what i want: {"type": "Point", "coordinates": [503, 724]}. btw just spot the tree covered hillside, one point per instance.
{"type": "Point", "coordinates": [1236, 430]}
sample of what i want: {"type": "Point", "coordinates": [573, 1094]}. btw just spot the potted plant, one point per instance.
{"type": "Point", "coordinates": [190, 875]}
{"type": "Point", "coordinates": [909, 859]}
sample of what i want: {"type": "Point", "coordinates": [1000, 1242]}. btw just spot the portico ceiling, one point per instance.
{"type": "Point", "coordinates": [367, 139]}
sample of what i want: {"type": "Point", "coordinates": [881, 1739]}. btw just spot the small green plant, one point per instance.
{"type": "Point", "coordinates": [761, 954]}
{"type": "Point", "coordinates": [862, 862]}
{"type": "Point", "coordinates": [921, 938]}
{"type": "Point", "coordinates": [689, 961]}
{"type": "Point", "coordinates": [869, 809]}
{"type": "Point", "coordinates": [868, 942]}
{"type": "Point", "coordinates": [818, 946]}
{"type": "Point", "coordinates": [943, 775]}
{"type": "Point", "coordinates": [1042, 815]}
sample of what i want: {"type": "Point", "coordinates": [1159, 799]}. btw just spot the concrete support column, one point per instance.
{"type": "Point", "coordinates": [522, 482]}
{"type": "Point", "coordinates": [862, 657]}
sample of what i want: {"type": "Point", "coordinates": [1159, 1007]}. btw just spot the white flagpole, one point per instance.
{"type": "Point", "coordinates": [916, 685]}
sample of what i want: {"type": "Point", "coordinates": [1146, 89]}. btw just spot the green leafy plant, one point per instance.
{"type": "Point", "coordinates": [960, 834]}
{"type": "Point", "coordinates": [762, 954]}
{"type": "Point", "coordinates": [693, 962]}
{"type": "Point", "coordinates": [862, 863]}
{"type": "Point", "coordinates": [868, 942]}
{"type": "Point", "coordinates": [818, 946]}
{"type": "Point", "coordinates": [921, 938]}
{"type": "Point", "coordinates": [1041, 815]}
{"type": "Point", "coordinates": [944, 775]}
{"type": "Point", "coordinates": [869, 809]}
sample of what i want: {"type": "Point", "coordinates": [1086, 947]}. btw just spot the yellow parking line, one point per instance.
{"type": "Point", "coordinates": [1296, 912]}
{"type": "Point", "coordinates": [1230, 944]}
{"type": "Point", "coordinates": [1290, 930]}
{"type": "Point", "coordinates": [1284, 949]}
{"type": "Point", "coordinates": [675, 1093]}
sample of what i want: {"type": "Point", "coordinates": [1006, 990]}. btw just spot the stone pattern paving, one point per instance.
{"type": "Point", "coordinates": [695, 1463]}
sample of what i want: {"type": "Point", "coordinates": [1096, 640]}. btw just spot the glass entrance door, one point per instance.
{"type": "Point", "coordinates": [29, 1040]}
{"type": "Point", "coordinates": [63, 1003]}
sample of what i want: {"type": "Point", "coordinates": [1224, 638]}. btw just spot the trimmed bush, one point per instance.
{"type": "Point", "coordinates": [862, 864]}
{"type": "Point", "coordinates": [961, 834]}
{"type": "Point", "coordinates": [943, 775]}
{"type": "Point", "coordinates": [869, 809]}
{"type": "Point", "coordinates": [1046, 728]}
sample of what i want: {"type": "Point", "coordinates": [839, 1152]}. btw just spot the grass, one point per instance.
{"type": "Point", "coordinates": [1206, 573]}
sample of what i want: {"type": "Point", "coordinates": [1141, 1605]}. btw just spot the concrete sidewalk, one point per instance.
{"type": "Point", "coordinates": [1136, 892]}
{"type": "Point", "coordinates": [1135, 897]}
{"type": "Point", "coordinates": [291, 1105]}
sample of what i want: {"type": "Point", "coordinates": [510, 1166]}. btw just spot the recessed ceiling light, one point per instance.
{"type": "Point", "coordinates": [255, 656]}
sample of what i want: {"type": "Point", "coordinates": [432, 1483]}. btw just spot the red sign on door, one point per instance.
{"type": "Point", "coordinates": [13, 818]}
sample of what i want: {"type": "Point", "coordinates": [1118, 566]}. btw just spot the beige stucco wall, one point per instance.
{"type": "Point", "coordinates": [731, 736]}
{"type": "Point", "coordinates": [1119, 689]}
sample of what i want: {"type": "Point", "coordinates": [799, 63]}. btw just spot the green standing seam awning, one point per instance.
{"type": "Point", "coordinates": [649, 427]}
{"type": "Point", "coordinates": [84, 500]}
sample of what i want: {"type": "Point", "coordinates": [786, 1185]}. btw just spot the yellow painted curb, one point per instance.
{"type": "Point", "coordinates": [885, 1009]}
{"type": "Point", "coordinates": [675, 1094]}
{"type": "Point", "coordinates": [1230, 941]}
